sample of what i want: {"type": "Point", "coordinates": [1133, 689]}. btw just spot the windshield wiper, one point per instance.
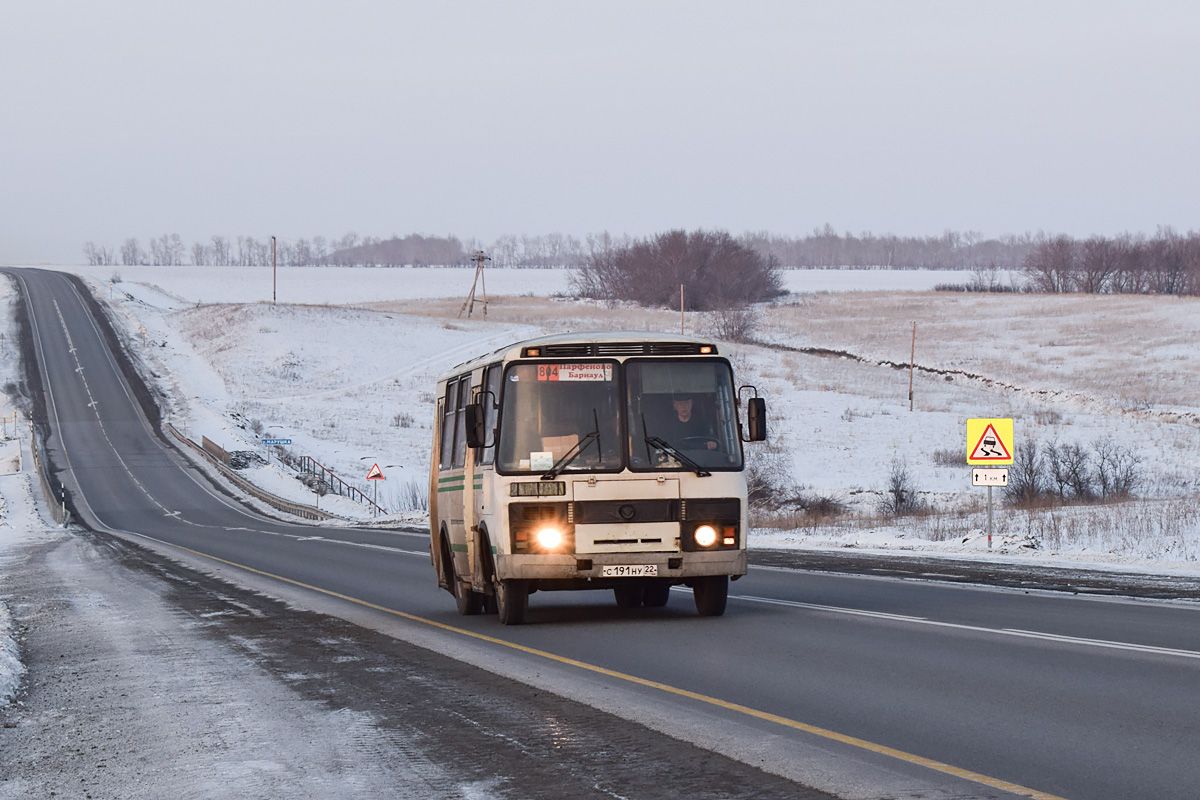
{"type": "Point", "coordinates": [670, 450]}
{"type": "Point", "coordinates": [574, 452]}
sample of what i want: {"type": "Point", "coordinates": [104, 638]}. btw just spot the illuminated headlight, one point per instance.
{"type": "Point", "coordinates": [706, 536]}
{"type": "Point", "coordinates": [550, 538]}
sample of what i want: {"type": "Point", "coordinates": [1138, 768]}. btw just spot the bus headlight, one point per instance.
{"type": "Point", "coordinates": [550, 538]}
{"type": "Point", "coordinates": [705, 536]}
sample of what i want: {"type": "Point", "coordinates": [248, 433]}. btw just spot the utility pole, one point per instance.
{"type": "Point", "coordinates": [912, 363]}
{"type": "Point", "coordinates": [273, 273]}
{"type": "Point", "coordinates": [469, 304]}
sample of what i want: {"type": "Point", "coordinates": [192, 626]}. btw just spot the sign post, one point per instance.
{"type": "Point", "coordinates": [269, 443]}
{"type": "Point", "coordinates": [990, 442]}
{"type": "Point", "coordinates": [375, 474]}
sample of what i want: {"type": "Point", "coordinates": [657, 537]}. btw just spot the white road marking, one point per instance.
{"type": "Point", "coordinates": [1052, 637]}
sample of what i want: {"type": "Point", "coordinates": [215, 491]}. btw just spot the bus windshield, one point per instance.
{"type": "Point", "coordinates": [551, 409]}
{"type": "Point", "coordinates": [574, 417]}
{"type": "Point", "coordinates": [681, 408]}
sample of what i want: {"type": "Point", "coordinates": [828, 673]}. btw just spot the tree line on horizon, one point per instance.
{"type": "Point", "coordinates": [823, 247]}
{"type": "Point", "coordinates": [1165, 263]}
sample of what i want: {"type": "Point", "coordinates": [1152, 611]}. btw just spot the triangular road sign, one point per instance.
{"type": "Point", "coordinates": [376, 474]}
{"type": "Point", "coordinates": [990, 447]}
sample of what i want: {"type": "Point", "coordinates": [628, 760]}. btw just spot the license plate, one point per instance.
{"type": "Point", "coordinates": [629, 571]}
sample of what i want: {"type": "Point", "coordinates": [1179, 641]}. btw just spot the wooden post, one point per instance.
{"type": "Point", "coordinates": [912, 362]}
{"type": "Point", "coordinates": [681, 309]}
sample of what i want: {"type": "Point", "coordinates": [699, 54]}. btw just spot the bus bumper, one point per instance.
{"type": "Point", "coordinates": [585, 568]}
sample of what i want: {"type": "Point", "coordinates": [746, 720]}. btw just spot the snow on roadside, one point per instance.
{"type": "Point", "coordinates": [11, 668]}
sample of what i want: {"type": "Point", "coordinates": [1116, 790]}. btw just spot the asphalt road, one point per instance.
{"type": "Point", "coordinates": [978, 692]}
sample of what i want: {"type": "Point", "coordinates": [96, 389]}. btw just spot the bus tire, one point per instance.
{"type": "Point", "coordinates": [711, 594]}
{"type": "Point", "coordinates": [656, 594]}
{"type": "Point", "coordinates": [512, 601]}
{"type": "Point", "coordinates": [469, 602]}
{"type": "Point", "coordinates": [629, 594]}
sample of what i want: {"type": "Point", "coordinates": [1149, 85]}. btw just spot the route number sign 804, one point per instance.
{"type": "Point", "coordinates": [629, 571]}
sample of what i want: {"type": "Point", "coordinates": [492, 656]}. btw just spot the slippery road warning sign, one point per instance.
{"type": "Point", "coordinates": [989, 441]}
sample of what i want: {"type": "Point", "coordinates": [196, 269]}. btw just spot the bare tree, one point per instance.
{"type": "Point", "coordinates": [1051, 266]}
{"type": "Point", "coordinates": [1098, 260]}
{"type": "Point", "coordinates": [320, 250]}
{"type": "Point", "coordinates": [131, 253]}
{"type": "Point", "coordinates": [221, 254]}
{"type": "Point", "coordinates": [199, 254]}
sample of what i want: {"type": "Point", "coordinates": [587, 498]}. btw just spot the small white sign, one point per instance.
{"type": "Point", "coordinates": [575, 372]}
{"type": "Point", "coordinates": [540, 461]}
{"type": "Point", "coordinates": [992, 476]}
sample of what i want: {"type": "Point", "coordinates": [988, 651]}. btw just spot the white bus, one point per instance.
{"type": "Point", "coordinates": [596, 461]}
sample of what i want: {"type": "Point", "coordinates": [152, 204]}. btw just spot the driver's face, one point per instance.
{"type": "Point", "coordinates": [683, 409]}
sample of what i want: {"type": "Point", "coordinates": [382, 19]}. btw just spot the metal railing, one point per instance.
{"type": "Point", "coordinates": [310, 468]}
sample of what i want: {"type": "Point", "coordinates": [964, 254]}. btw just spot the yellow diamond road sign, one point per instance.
{"type": "Point", "coordinates": [989, 441]}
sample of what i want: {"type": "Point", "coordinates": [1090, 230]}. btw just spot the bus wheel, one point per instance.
{"type": "Point", "coordinates": [469, 603]}
{"type": "Point", "coordinates": [629, 594]}
{"type": "Point", "coordinates": [656, 594]}
{"type": "Point", "coordinates": [512, 601]}
{"type": "Point", "coordinates": [711, 594]}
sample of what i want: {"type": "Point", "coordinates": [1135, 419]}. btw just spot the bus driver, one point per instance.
{"type": "Point", "coordinates": [686, 428]}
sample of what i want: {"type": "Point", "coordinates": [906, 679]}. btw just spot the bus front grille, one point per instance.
{"type": "Point", "coordinates": [644, 537]}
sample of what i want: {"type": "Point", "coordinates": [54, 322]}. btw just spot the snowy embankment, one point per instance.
{"type": "Point", "coordinates": [11, 668]}
{"type": "Point", "coordinates": [19, 522]}
{"type": "Point", "coordinates": [344, 366]}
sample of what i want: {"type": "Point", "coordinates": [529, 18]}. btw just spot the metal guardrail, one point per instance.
{"type": "Point", "coordinates": [310, 467]}
{"type": "Point", "coordinates": [279, 503]}
{"type": "Point", "coordinates": [56, 502]}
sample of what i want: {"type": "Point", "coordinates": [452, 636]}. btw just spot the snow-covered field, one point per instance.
{"type": "Point", "coordinates": [344, 366]}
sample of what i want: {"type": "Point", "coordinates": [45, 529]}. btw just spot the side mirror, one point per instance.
{"type": "Point", "coordinates": [756, 419]}
{"type": "Point", "coordinates": [476, 435]}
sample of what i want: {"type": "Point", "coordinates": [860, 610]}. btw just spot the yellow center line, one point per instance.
{"type": "Point", "coordinates": [948, 769]}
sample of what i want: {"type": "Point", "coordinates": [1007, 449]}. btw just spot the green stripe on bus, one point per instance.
{"type": "Point", "coordinates": [462, 548]}
{"type": "Point", "coordinates": [478, 487]}
{"type": "Point", "coordinates": [450, 478]}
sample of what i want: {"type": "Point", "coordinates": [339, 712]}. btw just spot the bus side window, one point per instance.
{"type": "Point", "coordinates": [460, 421]}
{"type": "Point", "coordinates": [448, 407]}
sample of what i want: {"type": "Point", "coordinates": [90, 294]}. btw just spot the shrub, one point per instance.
{"type": "Point", "coordinates": [900, 497]}
{"type": "Point", "coordinates": [769, 483]}
{"type": "Point", "coordinates": [737, 323]}
{"type": "Point", "coordinates": [414, 496]}
{"type": "Point", "coordinates": [822, 506]}
{"type": "Point", "coordinates": [1062, 473]}
{"type": "Point", "coordinates": [715, 270]}
{"type": "Point", "coordinates": [1026, 477]}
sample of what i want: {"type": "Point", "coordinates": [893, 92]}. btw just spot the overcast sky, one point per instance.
{"type": "Point", "coordinates": [303, 118]}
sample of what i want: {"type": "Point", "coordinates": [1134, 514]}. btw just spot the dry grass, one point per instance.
{"type": "Point", "coordinates": [1136, 351]}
